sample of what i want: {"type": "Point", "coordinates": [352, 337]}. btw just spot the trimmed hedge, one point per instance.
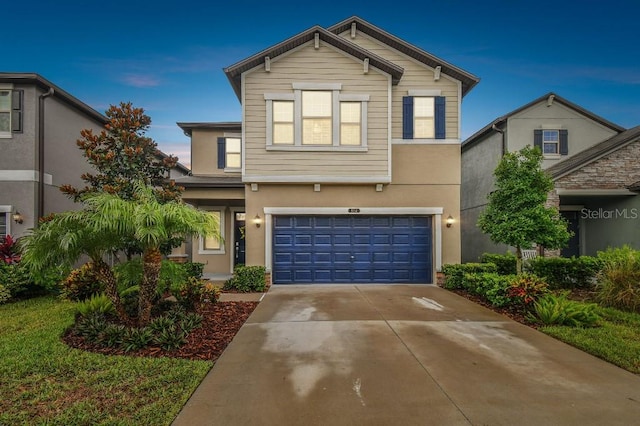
{"type": "Point", "coordinates": [454, 273]}
{"type": "Point", "coordinates": [492, 286]}
{"type": "Point", "coordinates": [506, 263]}
{"type": "Point", "coordinates": [247, 279]}
{"type": "Point", "coordinates": [566, 273]}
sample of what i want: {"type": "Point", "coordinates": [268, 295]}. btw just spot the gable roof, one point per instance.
{"type": "Point", "coordinates": [235, 71]}
{"type": "Point", "coordinates": [188, 128]}
{"type": "Point", "coordinates": [594, 153]}
{"type": "Point", "coordinates": [44, 84]}
{"type": "Point", "coordinates": [468, 80]}
{"type": "Point", "coordinates": [544, 98]}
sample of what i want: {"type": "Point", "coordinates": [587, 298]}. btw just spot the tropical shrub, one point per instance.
{"type": "Point", "coordinates": [247, 279]}
{"type": "Point", "coordinates": [129, 274]}
{"type": "Point", "coordinates": [5, 294]}
{"type": "Point", "coordinates": [552, 309]}
{"type": "Point", "coordinates": [454, 273]}
{"type": "Point", "coordinates": [9, 251]}
{"type": "Point", "coordinates": [96, 304]}
{"type": "Point", "coordinates": [505, 263]}
{"type": "Point", "coordinates": [566, 273]}
{"type": "Point", "coordinates": [193, 269]}
{"type": "Point", "coordinates": [525, 289]}
{"type": "Point", "coordinates": [82, 283]}
{"type": "Point", "coordinates": [16, 279]}
{"type": "Point", "coordinates": [188, 292]}
{"type": "Point", "coordinates": [618, 282]}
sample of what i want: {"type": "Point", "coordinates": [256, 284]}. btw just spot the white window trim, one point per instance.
{"type": "Point", "coordinates": [234, 136]}
{"type": "Point", "coordinates": [337, 97]}
{"type": "Point", "coordinates": [223, 214]}
{"type": "Point", "coordinates": [551, 155]}
{"type": "Point", "coordinates": [6, 210]}
{"type": "Point", "coordinates": [9, 87]}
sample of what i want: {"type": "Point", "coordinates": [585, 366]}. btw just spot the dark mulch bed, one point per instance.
{"type": "Point", "coordinates": [220, 323]}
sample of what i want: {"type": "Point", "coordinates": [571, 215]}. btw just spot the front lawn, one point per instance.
{"type": "Point", "coordinates": [616, 339]}
{"type": "Point", "coordinates": [42, 381]}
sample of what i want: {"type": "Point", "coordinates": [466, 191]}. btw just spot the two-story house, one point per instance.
{"type": "Point", "coordinates": [39, 125]}
{"type": "Point", "coordinates": [345, 166]}
{"type": "Point", "coordinates": [592, 161]}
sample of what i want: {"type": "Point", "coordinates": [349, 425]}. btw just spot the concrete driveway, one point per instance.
{"type": "Point", "coordinates": [402, 355]}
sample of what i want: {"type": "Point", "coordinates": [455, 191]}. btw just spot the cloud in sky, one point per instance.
{"type": "Point", "coordinates": [141, 80]}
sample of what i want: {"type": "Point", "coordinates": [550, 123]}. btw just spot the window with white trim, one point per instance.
{"type": "Point", "coordinates": [553, 143]}
{"type": "Point", "coordinates": [5, 113]}
{"type": "Point", "coordinates": [213, 245]}
{"type": "Point", "coordinates": [233, 151]}
{"type": "Point", "coordinates": [4, 229]}
{"type": "Point", "coordinates": [423, 117]}
{"type": "Point", "coordinates": [550, 141]}
{"type": "Point", "coordinates": [316, 116]}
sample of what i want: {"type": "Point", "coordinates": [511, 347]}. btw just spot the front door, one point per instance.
{"type": "Point", "coordinates": [573, 220]}
{"type": "Point", "coordinates": [239, 238]}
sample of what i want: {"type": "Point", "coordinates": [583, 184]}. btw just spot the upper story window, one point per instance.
{"type": "Point", "coordinates": [316, 116]}
{"type": "Point", "coordinates": [229, 153]}
{"type": "Point", "coordinates": [423, 117]}
{"type": "Point", "coordinates": [10, 112]}
{"type": "Point", "coordinates": [552, 142]}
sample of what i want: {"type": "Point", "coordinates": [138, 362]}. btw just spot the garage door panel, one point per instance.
{"type": "Point", "coordinates": [343, 249]}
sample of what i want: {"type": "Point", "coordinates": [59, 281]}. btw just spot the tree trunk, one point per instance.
{"type": "Point", "coordinates": [151, 263]}
{"type": "Point", "coordinates": [518, 260]}
{"type": "Point", "coordinates": [111, 287]}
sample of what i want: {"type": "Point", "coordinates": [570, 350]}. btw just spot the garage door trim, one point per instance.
{"type": "Point", "coordinates": [436, 212]}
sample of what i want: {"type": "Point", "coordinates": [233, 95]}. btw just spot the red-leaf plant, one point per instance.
{"type": "Point", "coordinates": [8, 252]}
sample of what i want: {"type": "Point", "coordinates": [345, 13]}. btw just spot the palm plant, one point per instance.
{"type": "Point", "coordinates": [102, 227]}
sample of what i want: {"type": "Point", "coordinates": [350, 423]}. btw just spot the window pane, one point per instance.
{"type": "Point", "coordinates": [550, 136]}
{"type": "Point", "coordinates": [5, 100]}
{"type": "Point", "coordinates": [350, 112]}
{"type": "Point", "coordinates": [233, 145]}
{"type": "Point", "coordinates": [233, 161]}
{"type": "Point", "coordinates": [316, 131]}
{"type": "Point", "coordinates": [282, 133]}
{"type": "Point", "coordinates": [5, 121]}
{"type": "Point", "coordinates": [212, 243]}
{"type": "Point", "coordinates": [3, 226]}
{"type": "Point", "coordinates": [350, 134]}
{"type": "Point", "coordinates": [423, 128]}
{"type": "Point", "coordinates": [423, 107]}
{"type": "Point", "coordinates": [282, 111]}
{"type": "Point", "coordinates": [316, 104]}
{"type": "Point", "coordinates": [550, 148]}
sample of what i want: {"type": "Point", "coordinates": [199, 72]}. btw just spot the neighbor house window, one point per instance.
{"type": "Point", "coordinates": [212, 245]}
{"type": "Point", "coordinates": [350, 123]}
{"type": "Point", "coordinates": [5, 112]}
{"type": "Point", "coordinates": [10, 112]}
{"type": "Point", "coordinates": [552, 142]}
{"type": "Point", "coordinates": [283, 122]}
{"type": "Point", "coordinates": [3, 225]}
{"type": "Point", "coordinates": [423, 117]}
{"type": "Point", "coordinates": [316, 116]}
{"type": "Point", "coordinates": [229, 153]}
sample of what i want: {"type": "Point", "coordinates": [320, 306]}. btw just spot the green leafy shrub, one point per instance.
{"type": "Point", "coordinates": [96, 304]}
{"type": "Point", "coordinates": [81, 284]}
{"type": "Point", "coordinates": [188, 292]}
{"type": "Point", "coordinates": [247, 279]}
{"type": "Point", "coordinates": [113, 335]}
{"type": "Point", "coordinates": [526, 289]}
{"type": "Point", "coordinates": [566, 273]}
{"type": "Point", "coordinates": [129, 299]}
{"type": "Point", "coordinates": [552, 309]}
{"type": "Point", "coordinates": [5, 294]}
{"type": "Point", "coordinates": [505, 263]}
{"type": "Point", "coordinates": [16, 278]}
{"type": "Point", "coordinates": [136, 338]}
{"type": "Point", "coordinates": [454, 273]}
{"type": "Point", "coordinates": [170, 338]}
{"type": "Point", "coordinates": [490, 285]}
{"type": "Point", "coordinates": [193, 269]}
{"type": "Point", "coordinates": [618, 283]}
{"type": "Point", "coordinates": [91, 327]}
{"type": "Point", "coordinates": [190, 322]}
{"type": "Point", "coordinates": [160, 323]}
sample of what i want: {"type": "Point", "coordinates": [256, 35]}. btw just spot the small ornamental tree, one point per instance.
{"type": "Point", "coordinates": [121, 155]}
{"type": "Point", "coordinates": [516, 214]}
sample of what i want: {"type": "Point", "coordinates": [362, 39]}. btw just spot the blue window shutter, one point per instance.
{"type": "Point", "coordinates": [440, 117]}
{"type": "Point", "coordinates": [537, 138]}
{"type": "Point", "coordinates": [407, 117]}
{"type": "Point", "coordinates": [222, 151]}
{"type": "Point", "coordinates": [564, 141]}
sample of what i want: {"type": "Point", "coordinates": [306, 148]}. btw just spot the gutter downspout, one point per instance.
{"type": "Point", "coordinates": [504, 141]}
{"type": "Point", "coordinates": [41, 99]}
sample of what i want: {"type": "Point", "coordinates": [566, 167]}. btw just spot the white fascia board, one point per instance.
{"type": "Point", "coordinates": [331, 211]}
{"type": "Point", "coordinates": [315, 179]}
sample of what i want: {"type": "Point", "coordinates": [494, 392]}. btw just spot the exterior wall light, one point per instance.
{"type": "Point", "coordinates": [17, 217]}
{"type": "Point", "coordinates": [449, 221]}
{"type": "Point", "coordinates": [257, 221]}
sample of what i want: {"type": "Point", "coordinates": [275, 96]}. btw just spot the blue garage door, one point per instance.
{"type": "Point", "coordinates": [351, 249]}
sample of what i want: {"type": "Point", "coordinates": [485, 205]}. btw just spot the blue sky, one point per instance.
{"type": "Point", "coordinates": [167, 57]}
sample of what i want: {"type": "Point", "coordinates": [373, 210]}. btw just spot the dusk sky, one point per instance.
{"type": "Point", "coordinates": [167, 57]}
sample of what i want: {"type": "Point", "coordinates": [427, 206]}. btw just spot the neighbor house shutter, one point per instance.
{"type": "Point", "coordinates": [222, 150]}
{"type": "Point", "coordinates": [537, 139]}
{"type": "Point", "coordinates": [564, 141]}
{"type": "Point", "coordinates": [407, 117]}
{"type": "Point", "coordinates": [440, 117]}
{"type": "Point", "coordinates": [16, 111]}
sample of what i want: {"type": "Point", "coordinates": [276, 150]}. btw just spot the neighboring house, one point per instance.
{"type": "Point", "coordinates": [345, 167]}
{"type": "Point", "coordinates": [39, 126]}
{"type": "Point", "coordinates": [593, 163]}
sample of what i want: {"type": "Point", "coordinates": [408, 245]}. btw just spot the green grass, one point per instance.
{"type": "Point", "coordinates": [616, 339]}
{"type": "Point", "coordinates": [42, 381]}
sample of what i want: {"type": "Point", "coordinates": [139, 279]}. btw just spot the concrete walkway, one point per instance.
{"type": "Point", "coordinates": [402, 355]}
